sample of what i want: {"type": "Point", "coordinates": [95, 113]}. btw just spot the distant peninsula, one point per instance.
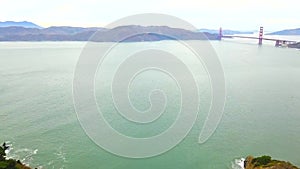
{"type": "Point", "coordinates": [296, 45]}
{"type": "Point", "coordinates": [24, 24]}
{"type": "Point", "coordinates": [225, 31]}
{"type": "Point", "coordinates": [266, 162]}
{"type": "Point", "coordinates": [67, 33]}
{"type": "Point", "coordinates": [286, 32]}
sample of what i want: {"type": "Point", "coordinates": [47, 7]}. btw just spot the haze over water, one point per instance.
{"type": "Point", "coordinates": [261, 114]}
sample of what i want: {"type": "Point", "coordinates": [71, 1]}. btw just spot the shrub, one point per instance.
{"type": "Point", "coordinates": [263, 160]}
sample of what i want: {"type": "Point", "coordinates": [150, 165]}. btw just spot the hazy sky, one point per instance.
{"type": "Point", "coordinates": [232, 14]}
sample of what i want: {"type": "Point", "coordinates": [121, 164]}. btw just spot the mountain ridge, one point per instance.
{"type": "Point", "coordinates": [225, 31]}
{"type": "Point", "coordinates": [67, 33]}
{"type": "Point", "coordinates": [286, 32]}
{"type": "Point", "coordinates": [24, 24]}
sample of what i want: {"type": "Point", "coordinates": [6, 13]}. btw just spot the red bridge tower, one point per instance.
{"type": "Point", "coordinates": [261, 33]}
{"type": "Point", "coordinates": [220, 34]}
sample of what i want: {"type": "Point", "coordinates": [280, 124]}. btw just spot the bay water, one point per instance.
{"type": "Point", "coordinates": [39, 121]}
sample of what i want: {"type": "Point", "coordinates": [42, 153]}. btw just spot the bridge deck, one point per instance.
{"type": "Point", "coordinates": [249, 37]}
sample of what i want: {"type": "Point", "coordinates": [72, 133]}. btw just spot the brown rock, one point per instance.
{"type": "Point", "coordinates": [252, 163]}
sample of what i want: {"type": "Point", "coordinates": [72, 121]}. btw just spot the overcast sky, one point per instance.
{"type": "Point", "coordinates": [231, 14]}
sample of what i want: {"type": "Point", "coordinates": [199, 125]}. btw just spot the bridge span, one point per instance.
{"type": "Point", "coordinates": [278, 42]}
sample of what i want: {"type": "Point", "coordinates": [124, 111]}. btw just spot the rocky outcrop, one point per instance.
{"type": "Point", "coordinates": [9, 163]}
{"type": "Point", "coordinates": [266, 162]}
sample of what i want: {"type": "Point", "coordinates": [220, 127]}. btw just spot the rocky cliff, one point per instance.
{"type": "Point", "coordinates": [9, 163]}
{"type": "Point", "coordinates": [266, 162]}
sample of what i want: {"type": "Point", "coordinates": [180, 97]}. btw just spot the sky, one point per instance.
{"type": "Point", "coordinates": [228, 14]}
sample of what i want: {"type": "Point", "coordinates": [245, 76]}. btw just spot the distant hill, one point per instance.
{"type": "Point", "coordinates": [295, 45]}
{"type": "Point", "coordinates": [286, 32]}
{"type": "Point", "coordinates": [65, 33]}
{"type": "Point", "coordinates": [68, 30]}
{"type": "Point", "coordinates": [24, 24]}
{"type": "Point", "coordinates": [225, 32]}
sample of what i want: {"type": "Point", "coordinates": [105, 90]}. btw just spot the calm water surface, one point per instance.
{"type": "Point", "coordinates": [261, 116]}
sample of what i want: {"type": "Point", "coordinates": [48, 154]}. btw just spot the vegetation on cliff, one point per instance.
{"type": "Point", "coordinates": [266, 162]}
{"type": "Point", "coordinates": [9, 163]}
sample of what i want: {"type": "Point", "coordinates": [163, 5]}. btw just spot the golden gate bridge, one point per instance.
{"type": "Point", "coordinates": [278, 42]}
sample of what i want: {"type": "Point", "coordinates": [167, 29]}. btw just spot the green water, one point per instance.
{"type": "Point", "coordinates": [261, 116]}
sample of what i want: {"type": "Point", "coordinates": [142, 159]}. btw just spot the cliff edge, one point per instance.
{"type": "Point", "coordinates": [9, 163]}
{"type": "Point", "coordinates": [266, 162]}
